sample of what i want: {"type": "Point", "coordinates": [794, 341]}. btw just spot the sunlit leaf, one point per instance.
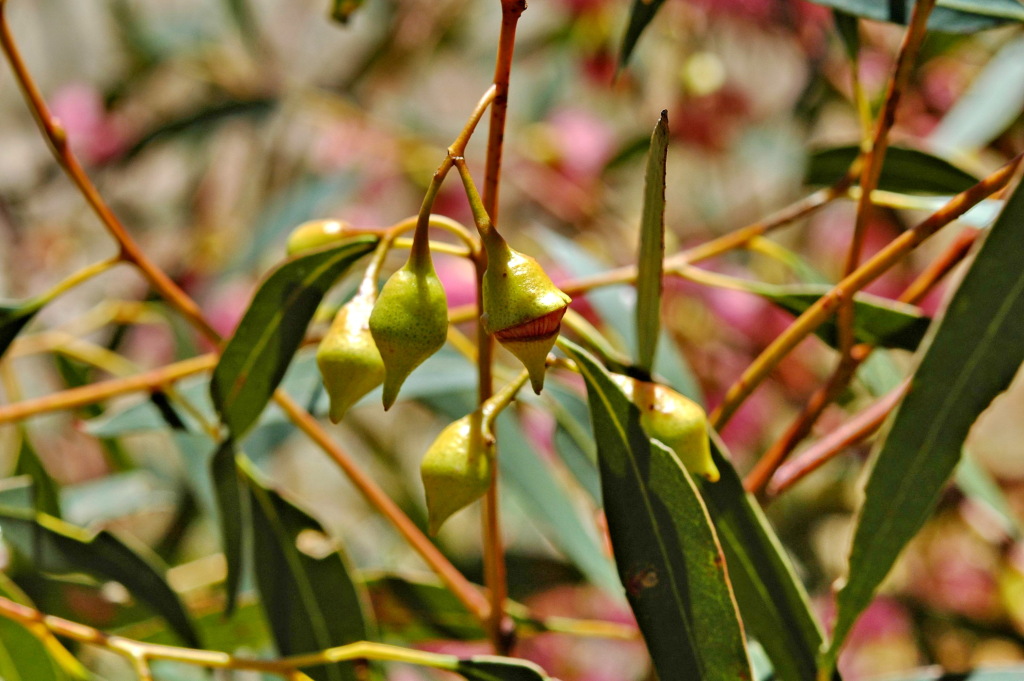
{"type": "Point", "coordinates": [772, 601]}
{"type": "Point", "coordinates": [304, 581]}
{"type": "Point", "coordinates": [668, 556]}
{"type": "Point", "coordinates": [256, 357]}
{"type": "Point", "coordinates": [61, 548]}
{"type": "Point", "coordinates": [953, 16]}
{"type": "Point", "coordinates": [907, 171]}
{"type": "Point", "coordinates": [971, 357]}
{"type": "Point", "coordinates": [652, 249]}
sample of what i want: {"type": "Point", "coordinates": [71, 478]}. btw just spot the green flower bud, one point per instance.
{"type": "Point", "coordinates": [674, 420]}
{"type": "Point", "coordinates": [522, 307]}
{"type": "Point", "coordinates": [409, 323]}
{"type": "Point", "coordinates": [456, 470]}
{"type": "Point", "coordinates": [349, 361]}
{"type": "Point", "coordinates": [317, 233]}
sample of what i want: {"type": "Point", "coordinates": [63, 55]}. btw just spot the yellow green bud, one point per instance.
{"type": "Point", "coordinates": [317, 233]}
{"type": "Point", "coordinates": [522, 307]}
{"type": "Point", "coordinates": [349, 361]}
{"type": "Point", "coordinates": [674, 420]}
{"type": "Point", "coordinates": [409, 323]}
{"type": "Point", "coordinates": [456, 470]}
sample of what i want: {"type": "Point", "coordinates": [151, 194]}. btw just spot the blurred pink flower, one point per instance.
{"type": "Point", "coordinates": [583, 143]}
{"type": "Point", "coordinates": [94, 133]}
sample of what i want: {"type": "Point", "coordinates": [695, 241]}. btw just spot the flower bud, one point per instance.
{"type": "Point", "coordinates": [317, 233]}
{"type": "Point", "coordinates": [349, 361]}
{"type": "Point", "coordinates": [522, 307]}
{"type": "Point", "coordinates": [456, 470]}
{"type": "Point", "coordinates": [409, 323]}
{"type": "Point", "coordinates": [674, 420]}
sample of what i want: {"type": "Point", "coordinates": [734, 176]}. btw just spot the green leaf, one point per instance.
{"type": "Point", "coordinates": [492, 668]}
{"type": "Point", "coordinates": [772, 601]}
{"type": "Point", "coordinates": [846, 26]}
{"type": "Point", "coordinates": [247, 628]}
{"type": "Point", "coordinates": [304, 581]}
{"type": "Point", "coordinates": [666, 550]}
{"type": "Point", "coordinates": [26, 657]}
{"type": "Point", "coordinates": [255, 359]}
{"type": "Point", "coordinates": [951, 16]}
{"type": "Point", "coordinates": [640, 16]}
{"type": "Point", "coordinates": [989, 106]}
{"type": "Point", "coordinates": [45, 490]}
{"type": "Point", "coordinates": [906, 171]}
{"type": "Point", "coordinates": [652, 249]}
{"type": "Point", "coordinates": [878, 321]}
{"type": "Point", "coordinates": [13, 318]}
{"type": "Point", "coordinates": [971, 357]}
{"type": "Point", "coordinates": [59, 547]}
{"type": "Point", "coordinates": [416, 610]}
{"type": "Point", "coordinates": [234, 516]}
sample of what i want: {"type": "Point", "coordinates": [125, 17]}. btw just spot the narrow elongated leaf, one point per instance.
{"type": "Point", "coordinates": [972, 356]}
{"type": "Point", "coordinates": [24, 656]}
{"type": "Point", "coordinates": [59, 547]}
{"type": "Point", "coordinates": [255, 359]}
{"type": "Point", "coordinates": [952, 16]}
{"type": "Point", "coordinates": [45, 490]}
{"type": "Point", "coordinates": [992, 102]}
{"type": "Point", "coordinates": [878, 321]}
{"type": "Point", "coordinates": [640, 15]}
{"type": "Point", "coordinates": [13, 318]}
{"type": "Point", "coordinates": [417, 610]}
{"type": "Point", "coordinates": [772, 601]}
{"type": "Point", "coordinates": [652, 249]}
{"type": "Point", "coordinates": [666, 550]}
{"type": "Point", "coordinates": [304, 581]}
{"type": "Point", "coordinates": [905, 170]}
{"type": "Point", "coordinates": [234, 517]}
{"type": "Point", "coordinates": [491, 668]}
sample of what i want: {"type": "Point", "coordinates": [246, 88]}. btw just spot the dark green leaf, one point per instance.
{"type": "Point", "coordinates": [846, 25]}
{"type": "Point", "coordinates": [878, 321]}
{"type": "Point", "coordinates": [23, 656]}
{"type": "Point", "coordinates": [45, 490]}
{"type": "Point", "coordinates": [652, 249]}
{"type": "Point", "coordinates": [247, 628]}
{"type": "Point", "coordinates": [907, 171]}
{"type": "Point", "coordinates": [972, 356]}
{"type": "Point", "coordinates": [952, 16]}
{"type": "Point", "coordinates": [13, 318]}
{"type": "Point", "coordinates": [255, 359]}
{"type": "Point", "coordinates": [640, 16]}
{"type": "Point", "coordinates": [59, 547]}
{"type": "Point", "coordinates": [304, 581]}
{"type": "Point", "coordinates": [490, 668]}
{"type": "Point", "coordinates": [771, 599]}
{"type": "Point", "coordinates": [666, 550]}
{"type": "Point", "coordinates": [415, 610]}
{"type": "Point", "coordinates": [234, 516]}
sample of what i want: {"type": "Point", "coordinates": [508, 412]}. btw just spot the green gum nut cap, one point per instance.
{"type": "Point", "coordinates": [349, 361]}
{"type": "Point", "coordinates": [456, 469]}
{"type": "Point", "coordinates": [317, 233]}
{"type": "Point", "coordinates": [674, 420]}
{"type": "Point", "coordinates": [409, 323]}
{"type": "Point", "coordinates": [522, 307]}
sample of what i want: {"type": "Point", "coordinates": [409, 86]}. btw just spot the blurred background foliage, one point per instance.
{"type": "Point", "coordinates": [215, 127]}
